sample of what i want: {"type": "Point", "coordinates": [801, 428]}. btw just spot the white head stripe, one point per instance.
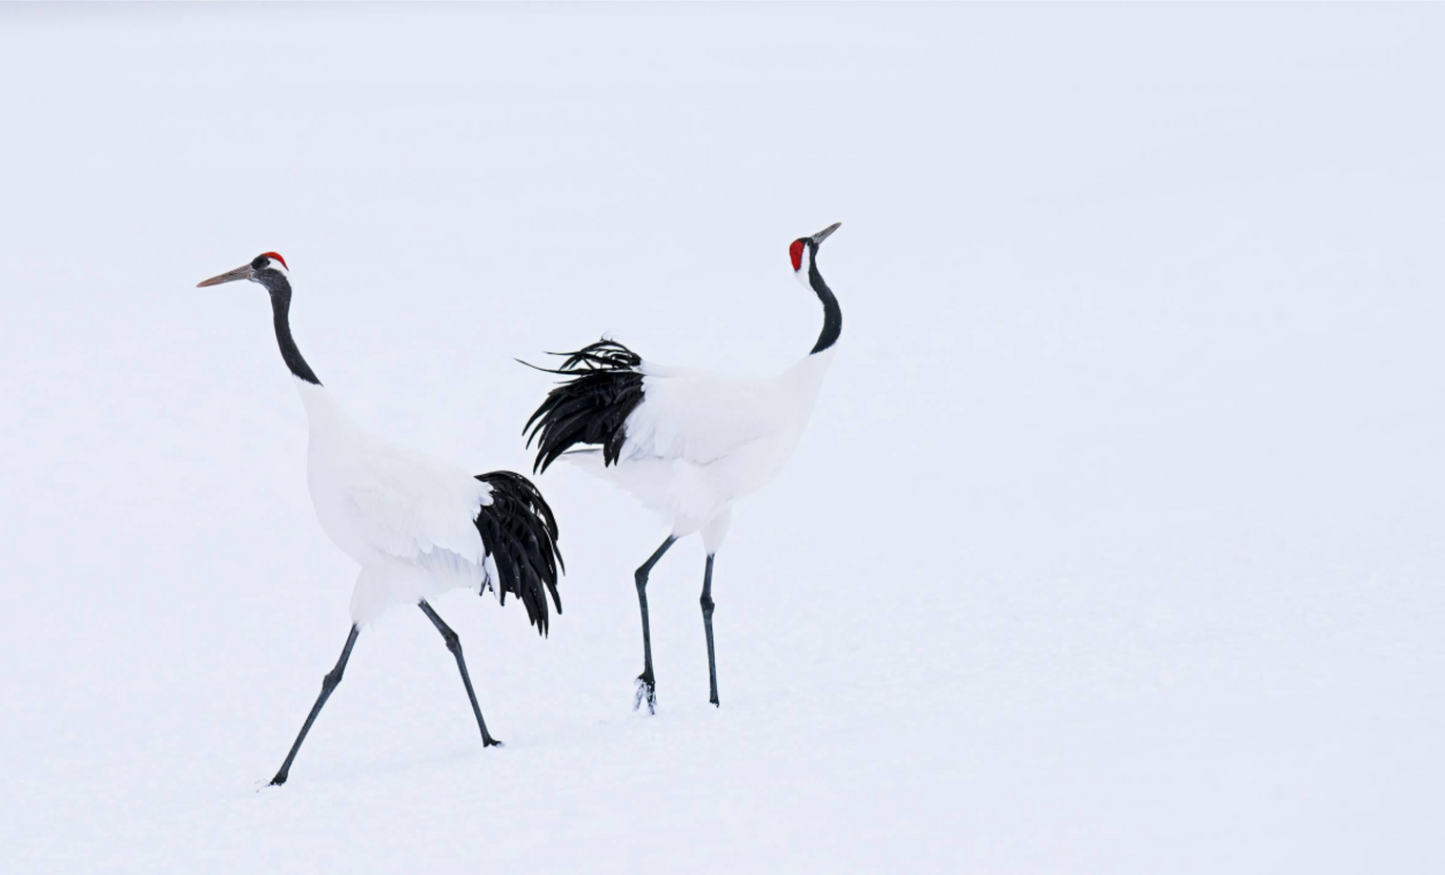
{"type": "Point", "coordinates": [803, 264]}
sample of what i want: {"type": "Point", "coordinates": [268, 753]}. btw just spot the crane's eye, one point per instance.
{"type": "Point", "coordinates": [261, 263]}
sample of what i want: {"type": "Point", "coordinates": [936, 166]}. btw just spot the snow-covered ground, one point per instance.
{"type": "Point", "coordinates": [1116, 544]}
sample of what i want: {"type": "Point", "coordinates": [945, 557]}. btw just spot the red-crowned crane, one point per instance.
{"type": "Point", "coordinates": [687, 443]}
{"type": "Point", "coordinates": [417, 526]}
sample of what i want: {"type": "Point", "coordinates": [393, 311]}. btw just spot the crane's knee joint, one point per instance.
{"type": "Point", "coordinates": [330, 680]}
{"type": "Point", "coordinates": [641, 578]}
{"type": "Point", "coordinates": [707, 604]}
{"type": "Point", "coordinates": [454, 643]}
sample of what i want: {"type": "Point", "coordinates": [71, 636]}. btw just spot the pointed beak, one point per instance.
{"type": "Point", "coordinates": [823, 234]}
{"type": "Point", "coordinates": [244, 272]}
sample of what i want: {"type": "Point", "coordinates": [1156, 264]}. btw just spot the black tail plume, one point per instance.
{"type": "Point", "coordinates": [591, 406]}
{"type": "Point", "coordinates": [520, 535]}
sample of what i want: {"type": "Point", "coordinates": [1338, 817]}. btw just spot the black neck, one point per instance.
{"type": "Point", "coordinates": [280, 291]}
{"type": "Point", "coordinates": [832, 314]}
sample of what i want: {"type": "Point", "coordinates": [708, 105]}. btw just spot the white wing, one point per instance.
{"type": "Point", "coordinates": [406, 505]}
{"type": "Point", "coordinates": [697, 416]}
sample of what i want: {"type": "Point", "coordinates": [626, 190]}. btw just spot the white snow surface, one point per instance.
{"type": "Point", "coordinates": [1115, 544]}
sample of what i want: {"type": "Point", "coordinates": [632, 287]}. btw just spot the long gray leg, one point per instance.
{"type": "Point", "coordinates": [707, 624]}
{"type": "Point", "coordinates": [328, 683]}
{"type": "Point", "coordinates": [454, 644]}
{"type": "Point", "coordinates": [646, 683]}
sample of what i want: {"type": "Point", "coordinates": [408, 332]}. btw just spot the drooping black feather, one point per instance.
{"type": "Point", "coordinates": [520, 535]}
{"type": "Point", "coordinates": [602, 388]}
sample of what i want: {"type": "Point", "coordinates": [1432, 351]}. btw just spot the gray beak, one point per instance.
{"type": "Point", "coordinates": [244, 272]}
{"type": "Point", "coordinates": [823, 234]}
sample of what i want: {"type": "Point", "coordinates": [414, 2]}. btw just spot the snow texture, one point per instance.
{"type": "Point", "coordinates": [1114, 545]}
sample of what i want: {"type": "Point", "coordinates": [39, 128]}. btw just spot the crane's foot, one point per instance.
{"type": "Point", "coordinates": [278, 780]}
{"type": "Point", "coordinates": [646, 690]}
{"type": "Point", "coordinates": [488, 741]}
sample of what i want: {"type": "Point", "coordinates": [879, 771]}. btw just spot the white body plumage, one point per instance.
{"type": "Point", "coordinates": [699, 441]}
{"type": "Point", "coordinates": [405, 517]}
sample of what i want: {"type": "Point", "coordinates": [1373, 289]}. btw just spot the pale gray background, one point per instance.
{"type": "Point", "coordinates": [1115, 544]}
